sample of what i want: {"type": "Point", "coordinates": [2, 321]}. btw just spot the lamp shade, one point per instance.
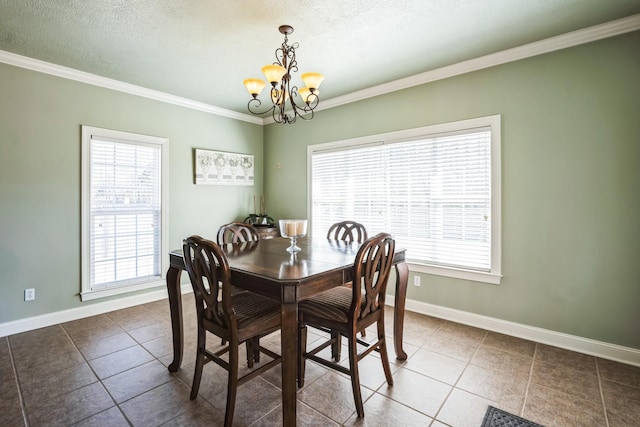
{"type": "Point", "coordinates": [254, 86]}
{"type": "Point", "coordinates": [312, 80]}
{"type": "Point", "coordinates": [273, 72]}
{"type": "Point", "coordinates": [305, 93]}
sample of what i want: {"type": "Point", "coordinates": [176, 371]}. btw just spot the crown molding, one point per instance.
{"type": "Point", "coordinates": [95, 80]}
{"type": "Point", "coordinates": [552, 44]}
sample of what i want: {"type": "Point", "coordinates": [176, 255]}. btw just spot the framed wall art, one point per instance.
{"type": "Point", "coordinates": [220, 168]}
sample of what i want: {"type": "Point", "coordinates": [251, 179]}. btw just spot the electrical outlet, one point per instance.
{"type": "Point", "coordinates": [416, 280]}
{"type": "Point", "coordinates": [29, 294]}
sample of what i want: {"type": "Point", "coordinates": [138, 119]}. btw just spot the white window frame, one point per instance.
{"type": "Point", "coordinates": [494, 123]}
{"type": "Point", "coordinates": [87, 293]}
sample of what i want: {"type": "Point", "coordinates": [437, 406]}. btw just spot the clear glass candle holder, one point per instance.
{"type": "Point", "coordinates": [293, 229]}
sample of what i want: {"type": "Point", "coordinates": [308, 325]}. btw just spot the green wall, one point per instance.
{"type": "Point", "coordinates": [570, 182]}
{"type": "Point", "coordinates": [40, 119]}
{"type": "Point", "coordinates": [570, 172]}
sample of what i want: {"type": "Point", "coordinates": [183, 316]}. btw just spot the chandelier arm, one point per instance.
{"type": "Point", "coordinates": [254, 104]}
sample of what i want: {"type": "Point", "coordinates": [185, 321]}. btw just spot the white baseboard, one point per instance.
{"type": "Point", "coordinates": [601, 349]}
{"type": "Point", "coordinates": [630, 356]}
{"type": "Point", "coordinates": [36, 322]}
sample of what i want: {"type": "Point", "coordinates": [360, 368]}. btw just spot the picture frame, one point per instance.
{"type": "Point", "coordinates": [223, 168]}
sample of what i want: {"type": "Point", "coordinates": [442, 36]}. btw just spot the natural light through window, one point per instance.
{"type": "Point", "coordinates": [435, 189]}
{"type": "Point", "coordinates": [123, 215]}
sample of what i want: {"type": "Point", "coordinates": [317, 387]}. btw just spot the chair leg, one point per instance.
{"type": "Point", "coordinates": [232, 384]}
{"type": "Point", "coordinates": [302, 347]}
{"type": "Point", "coordinates": [249, 345]}
{"type": "Point", "coordinates": [197, 373]}
{"type": "Point", "coordinates": [384, 356]}
{"type": "Point", "coordinates": [336, 346]}
{"type": "Point", "coordinates": [256, 349]}
{"type": "Point", "coordinates": [355, 375]}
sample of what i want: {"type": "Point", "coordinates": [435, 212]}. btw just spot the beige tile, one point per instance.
{"type": "Point", "coordinates": [120, 361]}
{"type": "Point", "coordinates": [38, 365]}
{"type": "Point", "coordinates": [152, 331]}
{"type": "Point", "coordinates": [456, 340]}
{"type": "Point", "coordinates": [371, 372]}
{"type": "Point", "coordinates": [254, 398]}
{"type": "Point", "coordinates": [69, 408]}
{"type": "Point", "coordinates": [464, 409]}
{"type": "Point", "coordinates": [510, 344]}
{"type": "Point", "coordinates": [40, 345]}
{"type": "Point", "coordinates": [460, 331]}
{"type": "Point", "coordinates": [380, 411]}
{"type": "Point", "coordinates": [313, 371]}
{"type": "Point", "coordinates": [159, 347]}
{"type": "Point", "coordinates": [201, 413]}
{"type": "Point", "coordinates": [417, 391]}
{"type": "Point", "coordinates": [509, 363]}
{"type": "Point", "coordinates": [159, 405]}
{"type": "Point", "coordinates": [552, 407]}
{"type": "Point", "coordinates": [112, 417]}
{"type": "Point", "coordinates": [10, 410]}
{"type": "Point", "coordinates": [331, 395]}
{"type": "Point", "coordinates": [92, 347]}
{"type": "Point", "coordinates": [100, 325]}
{"type": "Point", "coordinates": [138, 380]}
{"type": "Point", "coordinates": [453, 372]}
{"type": "Point", "coordinates": [418, 328]}
{"type": "Point", "coordinates": [437, 366]}
{"type": "Point", "coordinates": [566, 358]}
{"type": "Point", "coordinates": [619, 372]}
{"type": "Point", "coordinates": [505, 388]}
{"type": "Point", "coordinates": [37, 389]}
{"type": "Point", "coordinates": [622, 403]}
{"type": "Point", "coordinates": [305, 417]}
{"type": "Point", "coordinates": [577, 383]}
{"type": "Point", "coordinates": [134, 317]}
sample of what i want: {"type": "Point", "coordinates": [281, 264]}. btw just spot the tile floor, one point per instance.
{"type": "Point", "coordinates": [110, 370]}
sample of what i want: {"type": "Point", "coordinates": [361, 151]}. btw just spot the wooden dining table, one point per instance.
{"type": "Point", "coordinates": [267, 268]}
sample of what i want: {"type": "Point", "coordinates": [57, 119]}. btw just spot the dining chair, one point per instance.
{"type": "Point", "coordinates": [349, 231]}
{"type": "Point", "coordinates": [237, 232]}
{"type": "Point", "coordinates": [236, 318]}
{"type": "Point", "coordinates": [240, 232]}
{"type": "Point", "coordinates": [349, 311]}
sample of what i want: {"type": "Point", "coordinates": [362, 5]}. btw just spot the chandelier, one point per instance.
{"type": "Point", "coordinates": [287, 101]}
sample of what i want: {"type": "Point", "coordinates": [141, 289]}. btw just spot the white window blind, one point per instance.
{"type": "Point", "coordinates": [123, 216]}
{"type": "Point", "coordinates": [432, 192]}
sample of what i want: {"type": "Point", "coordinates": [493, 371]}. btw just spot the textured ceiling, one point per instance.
{"type": "Point", "coordinates": [203, 49]}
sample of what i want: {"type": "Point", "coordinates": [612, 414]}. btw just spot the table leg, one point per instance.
{"type": "Point", "coordinates": [175, 307]}
{"type": "Point", "coordinates": [289, 342]}
{"type": "Point", "coordinates": [402, 277]}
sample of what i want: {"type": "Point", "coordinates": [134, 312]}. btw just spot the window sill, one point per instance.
{"type": "Point", "coordinates": [457, 273]}
{"type": "Point", "coordinates": [104, 293]}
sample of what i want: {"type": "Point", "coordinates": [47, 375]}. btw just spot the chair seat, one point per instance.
{"type": "Point", "coordinates": [252, 309]}
{"type": "Point", "coordinates": [333, 304]}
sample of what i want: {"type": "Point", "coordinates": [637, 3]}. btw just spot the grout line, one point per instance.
{"type": "Point", "coordinates": [454, 386]}
{"type": "Point", "coordinates": [526, 392]}
{"type": "Point", "coordinates": [99, 380]}
{"type": "Point", "coordinates": [604, 405]}
{"type": "Point", "coordinates": [23, 405]}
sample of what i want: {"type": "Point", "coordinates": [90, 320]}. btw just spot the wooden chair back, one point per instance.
{"type": "Point", "coordinates": [237, 232]}
{"type": "Point", "coordinates": [371, 269]}
{"type": "Point", "coordinates": [349, 231]}
{"type": "Point", "coordinates": [207, 266]}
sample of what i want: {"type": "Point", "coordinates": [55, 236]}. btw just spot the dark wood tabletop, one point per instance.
{"type": "Point", "coordinates": [267, 268]}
